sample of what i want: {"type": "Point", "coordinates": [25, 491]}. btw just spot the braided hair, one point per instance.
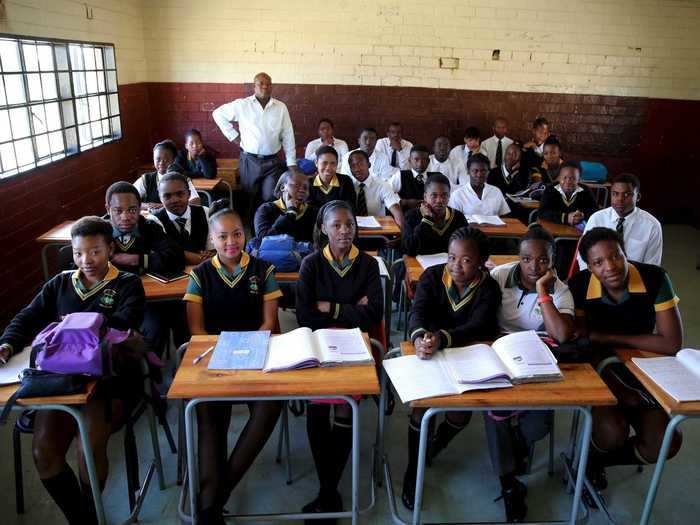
{"type": "Point", "coordinates": [536, 232]}
{"type": "Point", "coordinates": [221, 208]}
{"type": "Point", "coordinates": [479, 238]}
{"type": "Point", "coordinates": [320, 239]}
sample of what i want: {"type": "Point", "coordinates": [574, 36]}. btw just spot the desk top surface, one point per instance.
{"type": "Point", "coordinates": [559, 230]}
{"type": "Point", "coordinates": [75, 399]}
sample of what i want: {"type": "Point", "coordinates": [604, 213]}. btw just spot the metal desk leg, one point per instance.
{"type": "Point", "coordinates": [420, 474]}
{"type": "Point", "coordinates": [230, 190]}
{"type": "Point", "coordinates": [209, 197]}
{"type": "Point", "coordinates": [583, 459]}
{"type": "Point", "coordinates": [192, 470]}
{"type": "Point", "coordinates": [658, 470]}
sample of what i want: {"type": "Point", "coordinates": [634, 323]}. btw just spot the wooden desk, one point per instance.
{"type": "Point", "coordinates": [580, 389]}
{"type": "Point", "coordinates": [56, 237]}
{"type": "Point", "coordinates": [206, 186]}
{"type": "Point", "coordinates": [513, 228]}
{"type": "Point", "coordinates": [414, 270]}
{"type": "Point", "coordinates": [388, 229]}
{"type": "Point", "coordinates": [6, 392]}
{"type": "Point", "coordinates": [199, 385]}
{"type": "Point", "coordinates": [560, 231]}
{"type": "Point", "coordinates": [678, 411]}
{"type": "Point", "coordinates": [158, 291]}
{"type": "Point", "coordinates": [528, 204]}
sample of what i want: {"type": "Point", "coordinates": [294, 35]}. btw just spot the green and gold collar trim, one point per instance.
{"type": "Point", "coordinates": [568, 200]}
{"type": "Point", "coordinates": [300, 212]}
{"type": "Point", "coordinates": [318, 183]}
{"type": "Point", "coordinates": [84, 293]}
{"type": "Point", "coordinates": [344, 266]}
{"type": "Point", "coordinates": [231, 279]}
{"type": "Point", "coordinates": [635, 284]}
{"type": "Point", "coordinates": [456, 301]}
{"type": "Point", "coordinates": [449, 215]}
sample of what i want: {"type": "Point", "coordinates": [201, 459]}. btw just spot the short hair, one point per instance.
{"type": "Point", "coordinates": [396, 124]}
{"type": "Point", "coordinates": [478, 158]}
{"type": "Point", "coordinates": [320, 239]}
{"type": "Point", "coordinates": [627, 178]}
{"type": "Point", "coordinates": [441, 137]}
{"type": "Point", "coordinates": [369, 130]}
{"type": "Point", "coordinates": [262, 74]}
{"type": "Point", "coordinates": [570, 164]}
{"type": "Point", "coordinates": [122, 187]}
{"type": "Point", "coordinates": [173, 176]}
{"type": "Point", "coordinates": [540, 121]}
{"type": "Point", "coordinates": [502, 119]}
{"type": "Point", "coordinates": [472, 133]}
{"type": "Point", "coordinates": [552, 140]}
{"type": "Point", "coordinates": [422, 148]}
{"type": "Point", "coordinates": [596, 235]}
{"type": "Point", "coordinates": [90, 226]}
{"type": "Point", "coordinates": [536, 232]}
{"type": "Point", "coordinates": [358, 152]}
{"type": "Point", "coordinates": [194, 132]}
{"type": "Point", "coordinates": [167, 145]}
{"type": "Point", "coordinates": [326, 119]}
{"type": "Point", "coordinates": [436, 178]}
{"type": "Point", "coordinates": [219, 209]}
{"type": "Point", "coordinates": [469, 233]}
{"type": "Point", "coordinates": [326, 149]}
{"type": "Point", "coordinates": [283, 180]}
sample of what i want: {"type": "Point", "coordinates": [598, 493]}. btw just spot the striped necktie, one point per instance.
{"type": "Point", "coordinates": [362, 201]}
{"type": "Point", "coordinates": [620, 229]}
{"type": "Point", "coordinates": [182, 223]}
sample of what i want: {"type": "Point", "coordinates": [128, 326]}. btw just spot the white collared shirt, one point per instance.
{"type": "Point", "coordinates": [187, 215]}
{"type": "Point", "coordinates": [378, 194]}
{"type": "Point", "coordinates": [490, 146]}
{"type": "Point", "coordinates": [641, 233]}
{"type": "Point", "coordinates": [519, 309]}
{"type": "Point", "coordinates": [396, 179]}
{"type": "Point", "coordinates": [379, 164]}
{"type": "Point", "coordinates": [491, 202]}
{"type": "Point", "coordinates": [141, 186]}
{"type": "Point", "coordinates": [263, 131]}
{"type": "Point", "coordinates": [384, 145]}
{"type": "Point", "coordinates": [567, 199]}
{"type": "Point", "coordinates": [339, 145]}
{"type": "Point", "coordinates": [449, 169]}
{"type": "Point", "coordinates": [460, 154]}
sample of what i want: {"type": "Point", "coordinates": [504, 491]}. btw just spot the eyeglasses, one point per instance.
{"type": "Point", "coordinates": [128, 211]}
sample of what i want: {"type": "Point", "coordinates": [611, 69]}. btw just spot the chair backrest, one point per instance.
{"type": "Point", "coordinates": [593, 171]}
{"type": "Point", "coordinates": [533, 216]}
{"type": "Point", "coordinates": [378, 331]}
{"type": "Point", "coordinates": [574, 268]}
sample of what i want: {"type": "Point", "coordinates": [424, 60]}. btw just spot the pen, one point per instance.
{"type": "Point", "coordinates": [202, 355]}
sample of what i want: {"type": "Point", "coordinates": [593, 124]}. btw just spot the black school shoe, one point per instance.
{"type": "Point", "coordinates": [332, 503]}
{"type": "Point", "coordinates": [514, 502]}
{"type": "Point", "coordinates": [408, 494]}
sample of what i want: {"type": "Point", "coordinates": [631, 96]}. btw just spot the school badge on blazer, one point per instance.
{"type": "Point", "coordinates": [253, 285]}
{"type": "Point", "coordinates": [107, 299]}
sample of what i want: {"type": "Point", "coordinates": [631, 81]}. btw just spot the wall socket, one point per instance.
{"type": "Point", "coordinates": [449, 63]}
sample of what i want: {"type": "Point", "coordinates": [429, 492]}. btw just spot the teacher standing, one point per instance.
{"type": "Point", "coordinates": [264, 127]}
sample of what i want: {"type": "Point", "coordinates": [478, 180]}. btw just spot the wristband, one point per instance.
{"type": "Point", "coordinates": [544, 299]}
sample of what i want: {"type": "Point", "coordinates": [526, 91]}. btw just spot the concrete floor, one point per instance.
{"type": "Point", "coordinates": [460, 486]}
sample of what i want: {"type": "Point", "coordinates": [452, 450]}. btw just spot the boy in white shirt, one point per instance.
{"type": "Point", "coordinates": [495, 146]}
{"type": "Point", "coordinates": [379, 162]}
{"type": "Point", "coordinates": [440, 162]}
{"type": "Point", "coordinates": [477, 197]}
{"type": "Point", "coordinates": [326, 138]}
{"type": "Point", "coordinates": [639, 229]}
{"type": "Point", "coordinates": [461, 154]}
{"type": "Point", "coordinates": [374, 195]}
{"type": "Point", "coordinates": [395, 147]}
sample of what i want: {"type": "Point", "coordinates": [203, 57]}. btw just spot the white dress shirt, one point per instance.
{"type": "Point", "coordinates": [491, 202]}
{"type": "Point", "coordinates": [141, 187]}
{"type": "Point", "coordinates": [263, 131]}
{"type": "Point", "coordinates": [519, 309]}
{"type": "Point", "coordinates": [379, 164]}
{"type": "Point", "coordinates": [378, 194]}
{"type": "Point", "coordinates": [187, 215]}
{"type": "Point", "coordinates": [490, 145]}
{"type": "Point", "coordinates": [340, 146]}
{"type": "Point", "coordinates": [641, 234]}
{"type": "Point", "coordinates": [395, 180]}
{"type": "Point", "coordinates": [384, 145]}
{"type": "Point", "coordinates": [460, 154]}
{"type": "Point", "coordinates": [449, 169]}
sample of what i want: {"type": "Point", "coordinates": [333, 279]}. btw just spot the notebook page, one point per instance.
{"type": "Point", "coordinates": [291, 350]}
{"type": "Point", "coordinates": [670, 374]}
{"type": "Point", "coordinates": [426, 261]}
{"type": "Point", "coordinates": [473, 364]}
{"type": "Point", "coordinates": [383, 271]}
{"type": "Point", "coordinates": [690, 359]}
{"type": "Point", "coordinates": [342, 346]}
{"type": "Point", "coordinates": [415, 378]}
{"type": "Point", "coordinates": [493, 220]}
{"type": "Point", "coordinates": [9, 373]}
{"type": "Point", "coordinates": [525, 355]}
{"type": "Point", "coordinates": [368, 222]}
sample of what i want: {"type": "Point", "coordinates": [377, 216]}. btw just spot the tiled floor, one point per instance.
{"type": "Point", "coordinates": [459, 486]}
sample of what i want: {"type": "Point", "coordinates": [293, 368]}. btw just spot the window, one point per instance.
{"type": "Point", "coordinates": [57, 99]}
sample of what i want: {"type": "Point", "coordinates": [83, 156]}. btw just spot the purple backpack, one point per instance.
{"type": "Point", "coordinates": [78, 344]}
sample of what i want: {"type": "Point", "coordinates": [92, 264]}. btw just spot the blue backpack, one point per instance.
{"type": "Point", "coordinates": [593, 171]}
{"type": "Point", "coordinates": [280, 250]}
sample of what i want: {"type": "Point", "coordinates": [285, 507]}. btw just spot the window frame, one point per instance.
{"type": "Point", "coordinates": [72, 99]}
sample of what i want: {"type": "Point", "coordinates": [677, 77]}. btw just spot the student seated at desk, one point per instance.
{"type": "Point", "coordinates": [533, 298]}
{"type": "Point", "coordinates": [291, 214]}
{"type": "Point", "coordinates": [374, 195]}
{"type": "Point", "coordinates": [495, 146]}
{"type": "Point", "coordinates": [409, 184]}
{"type": "Point", "coordinates": [455, 304]}
{"type": "Point", "coordinates": [548, 171]}
{"type": "Point", "coordinates": [339, 286]}
{"type": "Point", "coordinates": [367, 142]}
{"type": "Point", "coordinates": [195, 160]}
{"type": "Point", "coordinates": [478, 197]}
{"type": "Point", "coordinates": [508, 177]}
{"type": "Point", "coordinates": [639, 229]}
{"type": "Point", "coordinates": [567, 202]}
{"type": "Point", "coordinates": [326, 138]}
{"type": "Point", "coordinates": [460, 155]}
{"type": "Point", "coordinates": [533, 151]}
{"type": "Point", "coordinates": [624, 303]}
{"type": "Point", "coordinates": [329, 185]}
{"type": "Point", "coordinates": [96, 286]}
{"type": "Point", "coordinates": [440, 162]}
{"type": "Point", "coordinates": [232, 291]}
{"type": "Point", "coordinates": [164, 154]}
{"type": "Point", "coordinates": [396, 149]}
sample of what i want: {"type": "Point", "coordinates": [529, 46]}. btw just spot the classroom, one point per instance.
{"type": "Point", "coordinates": [349, 262]}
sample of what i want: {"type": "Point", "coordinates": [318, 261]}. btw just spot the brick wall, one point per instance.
{"type": "Point", "coordinates": [68, 189]}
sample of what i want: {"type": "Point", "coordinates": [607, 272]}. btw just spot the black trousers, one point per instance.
{"type": "Point", "coordinates": [259, 176]}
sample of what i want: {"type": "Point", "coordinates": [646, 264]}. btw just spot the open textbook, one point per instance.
{"type": "Point", "coordinates": [9, 373]}
{"type": "Point", "coordinates": [520, 357]}
{"type": "Point", "coordinates": [678, 375]}
{"type": "Point", "coordinates": [489, 220]}
{"type": "Point", "coordinates": [368, 222]}
{"type": "Point", "coordinates": [302, 348]}
{"type": "Point", "coordinates": [426, 261]}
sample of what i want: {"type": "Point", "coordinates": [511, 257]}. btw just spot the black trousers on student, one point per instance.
{"type": "Point", "coordinates": [259, 175]}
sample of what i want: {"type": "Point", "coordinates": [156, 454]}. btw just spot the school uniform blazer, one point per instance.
{"type": "Point", "coordinates": [119, 297]}
{"type": "Point", "coordinates": [341, 188]}
{"type": "Point", "coordinates": [203, 166]}
{"type": "Point", "coordinates": [530, 160]}
{"type": "Point", "coordinates": [156, 252]}
{"type": "Point", "coordinates": [438, 308]}
{"type": "Point", "coordinates": [196, 241]}
{"type": "Point", "coordinates": [273, 218]}
{"type": "Point", "coordinates": [322, 279]}
{"type": "Point", "coordinates": [517, 180]}
{"type": "Point", "coordinates": [555, 206]}
{"type": "Point", "coordinates": [421, 236]}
